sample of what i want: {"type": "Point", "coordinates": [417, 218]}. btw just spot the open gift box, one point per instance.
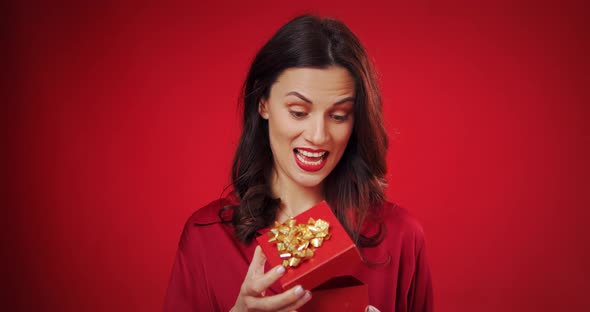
{"type": "Point", "coordinates": [342, 293]}
{"type": "Point", "coordinates": [322, 273]}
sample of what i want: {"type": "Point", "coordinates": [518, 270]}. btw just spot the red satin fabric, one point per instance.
{"type": "Point", "coordinates": [211, 264]}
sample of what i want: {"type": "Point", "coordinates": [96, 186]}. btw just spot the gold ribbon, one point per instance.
{"type": "Point", "coordinates": [297, 242]}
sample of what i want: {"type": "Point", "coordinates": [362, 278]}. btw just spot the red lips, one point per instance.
{"type": "Point", "coordinates": [308, 162]}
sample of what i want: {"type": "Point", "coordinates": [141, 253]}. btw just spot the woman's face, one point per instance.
{"type": "Point", "coordinates": [310, 119]}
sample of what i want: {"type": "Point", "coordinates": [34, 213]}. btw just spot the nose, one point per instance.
{"type": "Point", "coordinates": [316, 132]}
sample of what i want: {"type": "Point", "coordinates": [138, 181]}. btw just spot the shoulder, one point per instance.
{"type": "Point", "coordinates": [400, 224]}
{"type": "Point", "coordinates": [211, 213]}
{"type": "Point", "coordinates": [400, 217]}
{"type": "Point", "coordinates": [210, 218]}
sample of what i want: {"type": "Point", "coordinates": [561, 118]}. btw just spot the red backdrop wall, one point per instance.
{"type": "Point", "coordinates": [123, 121]}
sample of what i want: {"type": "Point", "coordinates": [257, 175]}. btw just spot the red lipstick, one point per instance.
{"type": "Point", "coordinates": [309, 159]}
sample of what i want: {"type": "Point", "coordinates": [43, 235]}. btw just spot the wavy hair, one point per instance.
{"type": "Point", "coordinates": [355, 187]}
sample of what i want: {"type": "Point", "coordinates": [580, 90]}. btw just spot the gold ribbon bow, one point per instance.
{"type": "Point", "coordinates": [295, 241]}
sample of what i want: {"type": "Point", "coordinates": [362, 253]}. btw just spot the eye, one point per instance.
{"type": "Point", "coordinates": [340, 118]}
{"type": "Point", "coordinates": [298, 114]}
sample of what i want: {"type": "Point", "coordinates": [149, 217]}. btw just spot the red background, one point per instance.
{"type": "Point", "coordinates": [122, 120]}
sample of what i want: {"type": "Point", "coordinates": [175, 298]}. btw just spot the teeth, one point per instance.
{"type": "Point", "coordinates": [313, 163]}
{"type": "Point", "coordinates": [311, 154]}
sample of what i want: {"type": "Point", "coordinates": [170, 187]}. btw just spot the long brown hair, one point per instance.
{"type": "Point", "coordinates": [355, 188]}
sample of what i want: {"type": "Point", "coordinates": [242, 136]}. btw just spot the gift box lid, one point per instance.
{"type": "Point", "coordinates": [329, 260]}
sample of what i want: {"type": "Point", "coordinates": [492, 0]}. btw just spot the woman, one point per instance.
{"type": "Point", "coordinates": [312, 131]}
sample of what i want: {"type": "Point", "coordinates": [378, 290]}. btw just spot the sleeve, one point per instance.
{"type": "Point", "coordinates": [420, 295]}
{"type": "Point", "coordinates": [187, 289]}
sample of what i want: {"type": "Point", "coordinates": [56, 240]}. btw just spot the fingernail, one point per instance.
{"type": "Point", "coordinates": [307, 295]}
{"type": "Point", "coordinates": [372, 309]}
{"type": "Point", "coordinates": [281, 270]}
{"type": "Point", "coordinates": [298, 290]}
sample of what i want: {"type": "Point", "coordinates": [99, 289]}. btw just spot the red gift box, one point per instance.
{"type": "Point", "coordinates": [322, 272]}
{"type": "Point", "coordinates": [343, 294]}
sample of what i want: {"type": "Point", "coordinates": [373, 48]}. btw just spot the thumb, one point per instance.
{"type": "Point", "coordinates": [256, 267]}
{"type": "Point", "coordinates": [371, 308]}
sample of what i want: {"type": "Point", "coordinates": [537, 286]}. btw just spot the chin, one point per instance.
{"type": "Point", "coordinates": [310, 182]}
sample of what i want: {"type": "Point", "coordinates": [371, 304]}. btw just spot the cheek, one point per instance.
{"type": "Point", "coordinates": [342, 136]}
{"type": "Point", "coordinates": [282, 131]}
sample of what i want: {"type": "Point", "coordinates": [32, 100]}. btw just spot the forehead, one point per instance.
{"type": "Point", "coordinates": [333, 81]}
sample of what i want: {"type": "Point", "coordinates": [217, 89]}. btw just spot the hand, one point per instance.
{"type": "Point", "coordinates": [251, 297]}
{"type": "Point", "coordinates": [371, 308]}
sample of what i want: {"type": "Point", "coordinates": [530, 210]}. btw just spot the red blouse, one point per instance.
{"type": "Point", "coordinates": [211, 264]}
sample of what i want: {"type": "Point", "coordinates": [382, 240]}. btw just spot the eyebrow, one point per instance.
{"type": "Point", "coordinates": [303, 98]}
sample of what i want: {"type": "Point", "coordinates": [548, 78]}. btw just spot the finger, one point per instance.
{"type": "Point", "coordinates": [256, 281]}
{"type": "Point", "coordinates": [371, 308]}
{"type": "Point", "coordinates": [299, 303]}
{"type": "Point", "coordinates": [256, 267]}
{"type": "Point", "coordinates": [259, 285]}
{"type": "Point", "coordinates": [286, 301]}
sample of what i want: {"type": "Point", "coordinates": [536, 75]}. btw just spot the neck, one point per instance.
{"type": "Point", "coordinates": [295, 198]}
